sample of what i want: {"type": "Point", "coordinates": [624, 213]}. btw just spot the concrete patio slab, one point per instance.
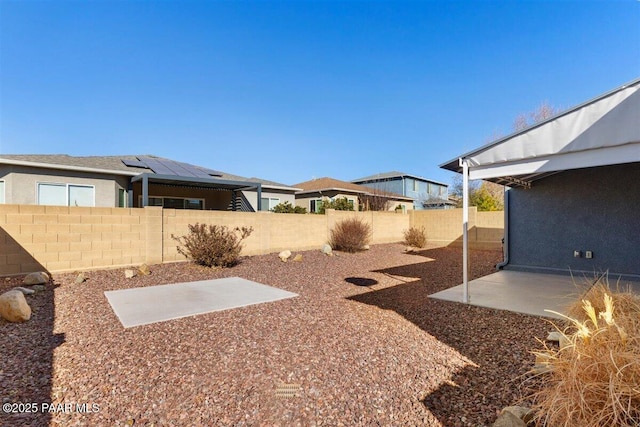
{"type": "Point", "coordinates": [142, 306]}
{"type": "Point", "coordinates": [523, 292]}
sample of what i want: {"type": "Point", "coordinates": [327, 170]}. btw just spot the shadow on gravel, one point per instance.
{"type": "Point", "coordinates": [26, 365]}
{"type": "Point", "coordinates": [361, 281]}
{"type": "Point", "coordinates": [497, 342]}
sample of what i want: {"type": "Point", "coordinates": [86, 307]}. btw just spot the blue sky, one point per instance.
{"type": "Point", "coordinates": [289, 91]}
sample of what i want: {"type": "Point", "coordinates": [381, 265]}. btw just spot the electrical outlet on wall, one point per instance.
{"type": "Point", "coordinates": [577, 254]}
{"type": "Point", "coordinates": [588, 254]}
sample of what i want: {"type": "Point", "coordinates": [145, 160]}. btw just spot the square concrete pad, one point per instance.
{"type": "Point", "coordinates": [142, 306]}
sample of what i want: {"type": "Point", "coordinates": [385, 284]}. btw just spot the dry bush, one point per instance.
{"type": "Point", "coordinates": [350, 235]}
{"type": "Point", "coordinates": [415, 237]}
{"type": "Point", "coordinates": [213, 245]}
{"type": "Point", "coordinates": [594, 379]}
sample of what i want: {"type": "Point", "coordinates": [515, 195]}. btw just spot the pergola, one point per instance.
{"type": "Point", "coordinates": [603, 131]}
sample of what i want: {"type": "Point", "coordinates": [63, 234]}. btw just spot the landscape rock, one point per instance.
{"type": "Point", "coordinates": [284, 255]}
{"type": "Point", "coordinates": [81, 278]}
{"type": "Point", "coordinates": [297, 258]}
{"type": "Point", "coordinates": [409, 249]}
{"type": "Point", "coordinates": [39, 288]}
{"type": "Point", "coordinates": [366, 247]}
{"type": "Point", "coordinates": [326, 249]}
{"type": "Point", "coordinates": [14, 307]}
{"type": "Point", "coordinates": [129, 274]}
{"type": "Point", "coordinates": [543, 364]}
{"type": "Point", "coordinates": [558, 337]}
{"type": "Point", "coordinates": [38, 278]}
{"type": "Point", "coordinates": [144, 270]}
{"type": "Point", "coordinates": [525, 414]}
{"type": "Point", "coordinates": [507, 419]}
{"type": "Point", "coordinates": [25, 291]}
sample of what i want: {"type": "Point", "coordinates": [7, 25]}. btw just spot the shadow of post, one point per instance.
{"type": "Point", "coordinates": [497, 343]}
{"type": "Point", "coordinates": [26, 362]}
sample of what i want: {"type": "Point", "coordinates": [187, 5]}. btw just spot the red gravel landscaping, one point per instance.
{"type": "Point", "coordinates": [383, 354]}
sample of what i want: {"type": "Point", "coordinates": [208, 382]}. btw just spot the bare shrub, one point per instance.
{"type": "Point", "coordinates": [594, 378]}
{"type": "Point", "coordinates": [415, 237]}
{"type": "Point", "coordinates": [350, 235]}
{"type": "Point", "coordinates": [212, 245]}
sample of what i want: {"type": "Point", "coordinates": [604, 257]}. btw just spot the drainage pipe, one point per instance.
{"type": "Point", "coordinates": [505, 248]}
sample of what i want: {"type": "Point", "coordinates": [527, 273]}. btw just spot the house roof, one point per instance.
{"type": "Point", "coordinates": [394, 174]}
{"type": "Point", "coordinates": [331, 184]}
{"type": "Point", "coordinates": [599, 132]}
{"type": "Point", "coordinates": [124, 165]}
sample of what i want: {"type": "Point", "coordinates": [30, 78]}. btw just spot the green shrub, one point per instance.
{"type": "Point", "coordinates": [350, 235]}
{"type": "Point", "coordinates": [415, 237]}
{"type": "Point", "coordinates": [213, 245]}
{"type": "Point", "coordinates": [287, 207]}
{"type": "Point", "coordinates": [339, 204]}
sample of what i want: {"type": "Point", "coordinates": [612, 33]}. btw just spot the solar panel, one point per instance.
{"type": "Point", "coordinates": [134, 163]}
{"type": "Point", "coordinates": [171, 167]}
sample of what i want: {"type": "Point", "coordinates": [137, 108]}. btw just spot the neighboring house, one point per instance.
{"type": "Point", "coordinates": [131, 181]}
{"type": "Point", "coordinates": [360, 197]}
{"type": "Point", "coordinates": [426, 193]}
{"type": "Point", "coordinates": [573, 202]}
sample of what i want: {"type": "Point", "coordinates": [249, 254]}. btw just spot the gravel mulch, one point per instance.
{"type": "Point", "coordinates": [382, 354]}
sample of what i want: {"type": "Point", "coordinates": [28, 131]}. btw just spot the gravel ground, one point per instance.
{"type": "Point", "coordinates": [382, 354]}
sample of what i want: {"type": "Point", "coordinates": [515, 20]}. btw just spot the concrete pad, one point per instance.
{"type": "Point", "coordinates": [142, 306]}
{"type": "Point", "coordinates": [522, 292]}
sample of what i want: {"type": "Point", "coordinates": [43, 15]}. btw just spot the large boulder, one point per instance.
{"type": "Point", "coordinates": [14, 307]}
{"type": "Point", "coordinates": [38, 278]}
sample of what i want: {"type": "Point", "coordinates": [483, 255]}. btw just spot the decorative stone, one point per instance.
{"type": "Point", "coordinates": [14, 307]}
{"type": "Point", "coordinates": [326, 249]}
{"type": "Point", "coordinates": [297, 258]}
{"type": "Point", "coordinates": [284, 255]}
{"type": "Point", "coordinates": [144, 270]}
{"type": "Point", "coordinates": [39, 288]}
{"type": "Point", "coordinates": [81, 278]}
{"type": "Point", "coordinates": [409, 249]}
{"type": "Point", "coordinates": [525, 414]}
{"type": "Point", "coordinates": [543, 364]}
{"type": "Point", "coordinates": [366, 247]}
{"type": "Point", "coordinates": [129, 274]}
{"type": "Point", "coordinates": [25, 291]}
{"type": "Point", "coordinates": [507, 419]}
{"type": "Point", "coordinates": [38, 278]}
{"type": "Point", "coordinates": [558, 337]}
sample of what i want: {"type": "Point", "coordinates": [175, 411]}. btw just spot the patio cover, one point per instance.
{"type": "Point", "coordinates": [603, 131]}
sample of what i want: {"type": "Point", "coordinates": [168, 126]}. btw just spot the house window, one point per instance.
{"type": "Point", "coordinates": [268, 203]}
{"type": "Point", "coordinates": [174, 203]}
{"type": "Point", "coordinates": [2, 192]}
{"type": "Point", "coordinates": [66, 194]}
{"type": "Point", "coordinates": [415, 185]}
{"type": "Point", "coordinates": [315, 205]}
{"type": "Point", "coordinates": [122, 198]}
{"type": "Point", "coordinates": [351, 203]}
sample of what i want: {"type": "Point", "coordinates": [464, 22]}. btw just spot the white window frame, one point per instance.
{"type": "Point", "coordinates": [416, 185]}
{"type": "Point", "coordinates": [66, 193]}
{"type": "Point", "coordinates": [3, 190]}
{"type": "Point", "coordinates": [171, 197]}
{"type": "Point", "coordinates": [270, 204]}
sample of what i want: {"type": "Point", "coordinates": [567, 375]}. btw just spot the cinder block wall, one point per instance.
{"type": "Point", "coordinates": [444, 227]}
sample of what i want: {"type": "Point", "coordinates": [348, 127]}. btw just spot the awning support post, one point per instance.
{"type": "Point", "coordinates": [465, 230]}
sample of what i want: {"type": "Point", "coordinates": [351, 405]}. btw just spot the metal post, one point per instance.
{"type": "Point", "coordinates": [145, 190]}
{"type": "Point", "coordinates": [465, 230]}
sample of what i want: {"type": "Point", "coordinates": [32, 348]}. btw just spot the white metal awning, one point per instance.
{"type": "Point", "coordinates": [603, 131]}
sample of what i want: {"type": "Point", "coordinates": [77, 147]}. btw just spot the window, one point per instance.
{"type": "Point", "coordinates": [268, 203]}
{"type": "Point", "coordinates": [174, 203]}
{"type": "Point", "coordinates": [415, 185]}
{"type": "Point", "coordinates": [351, 202]}
{"type": "Point", "coordinates": [65, 194]}
{"type": "Point", "coordinates": [122, 198]}
{"type": "Point", "coordinates": [315, 205]}
{"type": "Point", "coordinates": [2, 192]}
